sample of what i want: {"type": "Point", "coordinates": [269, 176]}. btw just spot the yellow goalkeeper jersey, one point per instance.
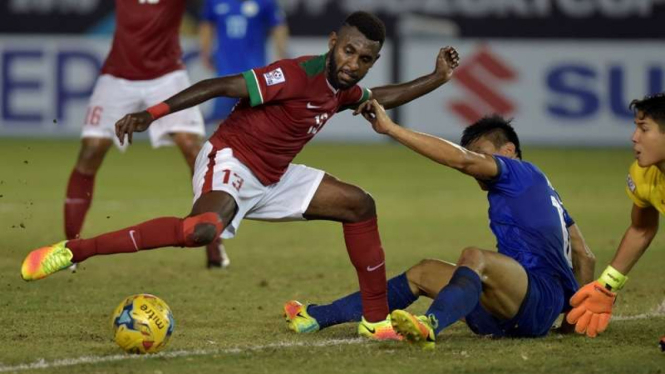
{"type": "Point", "coordinates": [646, 187]}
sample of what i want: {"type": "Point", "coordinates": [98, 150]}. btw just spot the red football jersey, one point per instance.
{"type": "Point", "coordinates": [289, 102]}
{"type": "Point", "coordinates": [146, 42]}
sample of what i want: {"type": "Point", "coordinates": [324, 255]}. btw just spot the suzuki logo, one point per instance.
{"type": "Point", "coordinates": [480, 75]}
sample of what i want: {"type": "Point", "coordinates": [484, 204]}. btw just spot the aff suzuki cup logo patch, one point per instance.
{"type": "Point", "coordinates": [274, 77]}
{"type": "Point", "coordinates": [630, 182]}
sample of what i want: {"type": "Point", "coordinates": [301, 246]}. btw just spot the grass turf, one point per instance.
{"type": "Point", "coordinates": [231, 320]}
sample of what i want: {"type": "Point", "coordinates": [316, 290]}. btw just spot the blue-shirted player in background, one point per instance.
{"type": "Point", "coordinates": [519, 291]}
{"type": "Point", "coordinates": [241, 29]}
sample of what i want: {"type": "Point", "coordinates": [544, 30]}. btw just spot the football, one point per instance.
{"type": "Point", "coordinates": [142, 323]}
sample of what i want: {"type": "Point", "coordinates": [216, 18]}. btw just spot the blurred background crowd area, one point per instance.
{"type": "Point", "coordinates": [566, 70]}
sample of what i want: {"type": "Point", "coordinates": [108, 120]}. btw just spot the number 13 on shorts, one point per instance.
{"type": "Point", "coordinates": [229, 177]}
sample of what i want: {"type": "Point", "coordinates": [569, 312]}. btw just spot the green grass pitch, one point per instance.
{"type": "Point", "coordinates": [230, 321]}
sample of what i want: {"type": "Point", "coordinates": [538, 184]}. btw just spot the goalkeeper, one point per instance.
{"type": "Point", "coordinates": [592, 304]}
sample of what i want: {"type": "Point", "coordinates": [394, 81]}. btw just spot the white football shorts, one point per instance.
{"type": "Point", "coordinates": [114, 97]}
{"type": "Point", "coordinates": [286, 200]}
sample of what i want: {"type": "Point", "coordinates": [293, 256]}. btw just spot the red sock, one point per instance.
{"type": "Point", "coordinates": [364, 246]}
{"type": "Point", "coordinates": [212, 251]}
{"type": "Point", "coordinates": [77, 202]}
{"type": "Point", "coordinates": [156, 233]}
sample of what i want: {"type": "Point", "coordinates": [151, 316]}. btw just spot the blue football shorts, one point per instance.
{"type": "Point", "coordinates": [543, 303]}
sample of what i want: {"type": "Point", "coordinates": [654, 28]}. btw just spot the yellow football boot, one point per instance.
{"type": "Point", "coordinates": [416, 330]}
{"type": "Point", "coordinates": [297, 318]}
{"type": "Point", "coordinates": [381, 330]}
{"type": "Point", "coordinates": [45, 261]}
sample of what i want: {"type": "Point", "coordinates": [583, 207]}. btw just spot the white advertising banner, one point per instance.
{"type": "Point", "coordinates": [557, 92]}
{"type": "Point", "coordinates": [45, 83]}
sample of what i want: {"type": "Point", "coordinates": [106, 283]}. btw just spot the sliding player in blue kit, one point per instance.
{"type": "Point", "coordinates": [519, 291]}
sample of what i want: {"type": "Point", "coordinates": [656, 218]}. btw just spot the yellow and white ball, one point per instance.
{"type": "Point", "coordinates": [142, 323]}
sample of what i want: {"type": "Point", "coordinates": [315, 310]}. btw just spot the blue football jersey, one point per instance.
{"type": "Point", "coordinates": [243, 27]}
{"type": "Point", "coordinates": [529, 221]}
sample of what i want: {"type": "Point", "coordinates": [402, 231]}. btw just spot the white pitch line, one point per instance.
{"type": "Point", "coordinates": [659, 311]}
{"type": "Point", "coordinates": [43, 364]}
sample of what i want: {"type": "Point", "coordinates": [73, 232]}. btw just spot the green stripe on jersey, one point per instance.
{"type": "Point", "coordinates": [314, 66]}
{"type": "Point", "coordinates": [255, 97]}
{"type": "Point", "coordinates": [365, 96]}
{"type": "Point", "coordinates": [367, 93]}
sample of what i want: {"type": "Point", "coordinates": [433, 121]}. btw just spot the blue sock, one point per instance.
{"type": "Point", "coordinates": [456, 300]}
{"type": "Point", "coordinates": [349, 308]}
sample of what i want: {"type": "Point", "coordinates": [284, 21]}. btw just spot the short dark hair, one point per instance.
{"type": "Point", "coordinates": [652, 106]}
{"type": "Point", "coordinates": [496, 128]}
{"type": "Point", "coordinates": [368, 24]}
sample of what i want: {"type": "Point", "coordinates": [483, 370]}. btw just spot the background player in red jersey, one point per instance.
{"type": "Point", "coordinates": [245, 169]}
{"type": "Point", "coordinates": [142, 68]}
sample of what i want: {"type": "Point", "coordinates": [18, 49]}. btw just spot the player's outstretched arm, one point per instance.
{"type": "Point", "coordinates": [592, 304]}
{"type": "Point", "coordinates": [398, 94]}
{"type": "Point", "coordinates": [439, 150]}
{"type": "Point", "coordinates": [229, 86]}
{"type": "Point", "coordinates": [636, 240]}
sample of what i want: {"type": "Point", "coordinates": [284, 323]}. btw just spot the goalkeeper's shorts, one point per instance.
{"type": "Point", "coordinates": [543, 303]}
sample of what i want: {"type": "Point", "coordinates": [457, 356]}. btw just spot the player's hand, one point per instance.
{"type": "Point", "coordinates": [377, 116]}
{"type": "Point", "coordinates": [592, 309]}
{"type": "Point", "coordinates": [131, 123]}
{"type": "Point", "coordinates": [446, 62]}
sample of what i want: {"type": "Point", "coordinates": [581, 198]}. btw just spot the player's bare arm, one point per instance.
{"type": "Point", "coordinates": [584, 262]}
{"type": "Point", "coordinates": [229, 86]}
{"type": "Point", "coordinates": [206, 36]}
{"type": "Point", "coordinates": [477, 165]}
{"type": "Point", "coordinates": [638, 236]}
{"type": "Point", "coordinates": [280, 37]}
{"type": "Point", "coordinates": [399, 94]}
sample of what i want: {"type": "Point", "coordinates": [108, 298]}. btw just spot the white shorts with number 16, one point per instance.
{"type": "Point", "coordinates": [114, 97]}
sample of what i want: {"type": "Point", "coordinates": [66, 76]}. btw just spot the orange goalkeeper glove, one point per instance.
{"type": "Point", "coordinates": [592, 304]}
{"type": "Point", "coordinates": [592, 309]}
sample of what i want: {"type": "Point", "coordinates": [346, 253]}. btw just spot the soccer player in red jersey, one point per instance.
{"type": "Point", "coordinates": [245, 169]}
{"type": "Point", "coordinates": [143, 68]}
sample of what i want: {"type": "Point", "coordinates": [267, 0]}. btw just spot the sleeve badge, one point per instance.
{"type": "Point", "coordinates": [274, 77]}
{"type": "Point", "coordinates": [631, 184]}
